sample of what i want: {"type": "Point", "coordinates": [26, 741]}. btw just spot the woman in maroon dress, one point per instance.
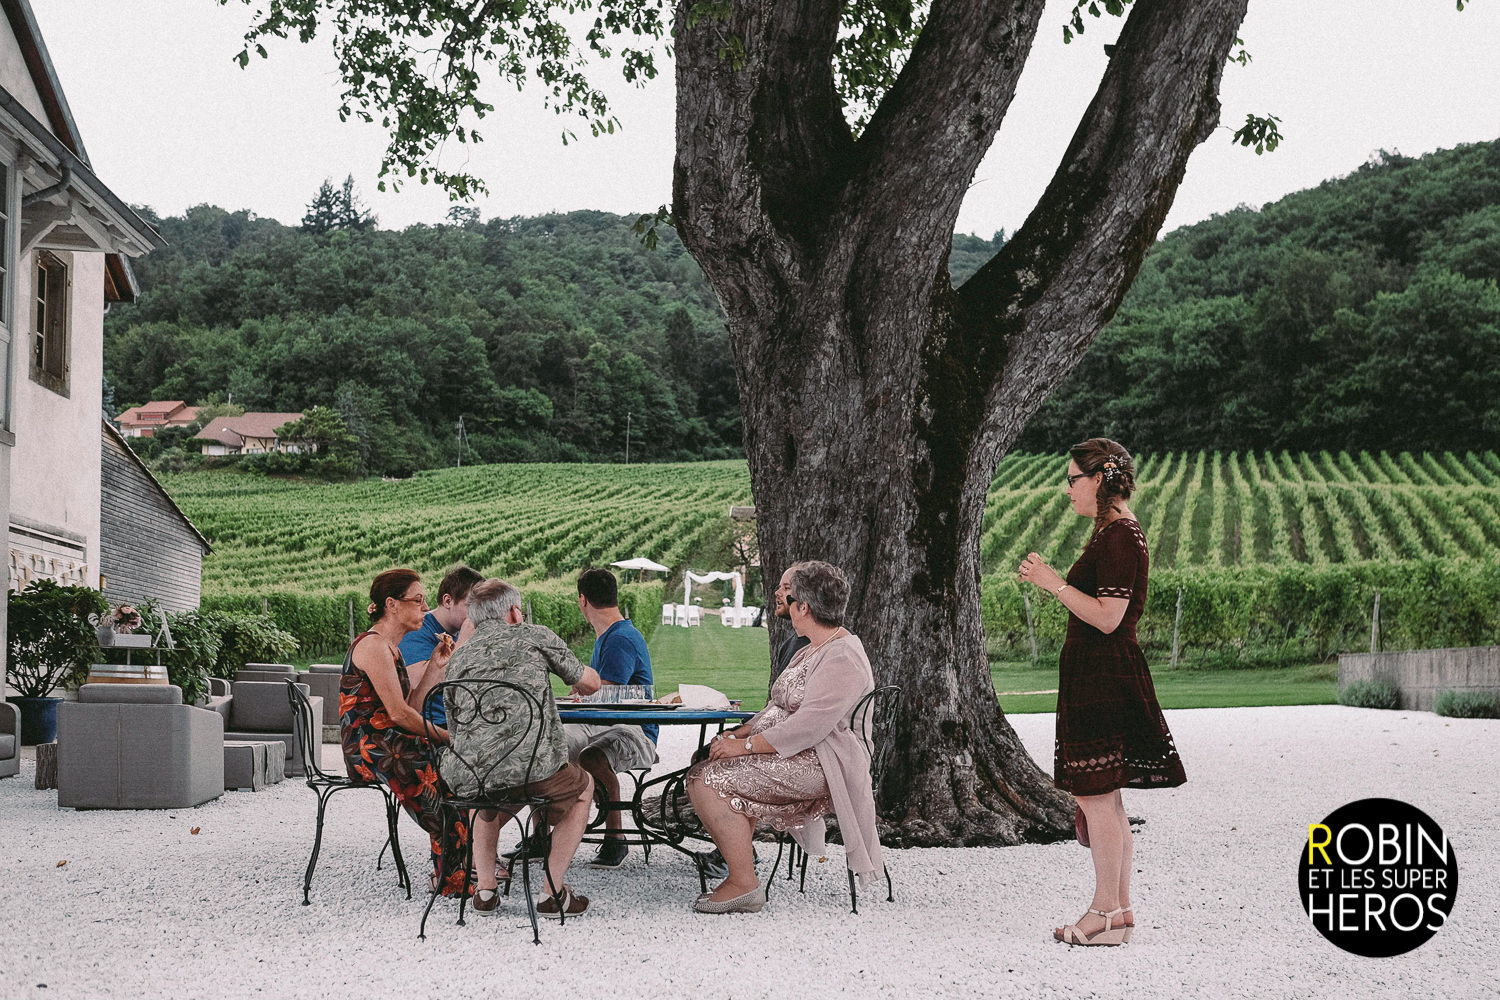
{"type": "Point", "coordinates": [1110, 730]}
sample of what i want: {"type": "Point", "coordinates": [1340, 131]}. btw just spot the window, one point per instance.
{"type": "Point", "coordinates": [49, 357]}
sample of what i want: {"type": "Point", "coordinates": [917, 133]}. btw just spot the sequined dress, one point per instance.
{"type": "Point", "coordinates": [784, 791]}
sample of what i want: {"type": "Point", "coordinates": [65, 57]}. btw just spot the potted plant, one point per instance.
{"type": "Point", "coordinates": [50, 644]}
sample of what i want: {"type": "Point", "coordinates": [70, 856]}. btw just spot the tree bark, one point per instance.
{"type": "Point", "coordinates": [877, 399]}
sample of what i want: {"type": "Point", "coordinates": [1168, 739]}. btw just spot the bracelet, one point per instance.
{"type": "Point", "coordinates": [1062, 588]}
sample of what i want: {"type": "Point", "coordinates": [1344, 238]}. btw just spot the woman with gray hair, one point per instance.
{"type": "Point", "coordinates": [797, 759]}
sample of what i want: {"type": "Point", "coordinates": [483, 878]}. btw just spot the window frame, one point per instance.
{"type": "Point", "coordinates": [51, 307]}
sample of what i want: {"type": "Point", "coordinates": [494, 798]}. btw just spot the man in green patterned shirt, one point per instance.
{"type": "Point", "coordinates": [505, 648]}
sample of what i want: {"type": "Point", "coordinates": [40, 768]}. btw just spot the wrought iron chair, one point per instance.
{"type": "Point", "coordinates": [325, 784]}
{"type": "Point", "coordinates": [881, 703]}
{"type": "Point", "coordinates": [492, 702]}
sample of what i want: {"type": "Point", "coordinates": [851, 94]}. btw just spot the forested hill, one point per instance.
{"type": "Point", "coordinates": [1363, 313]}
{"type": "Point", "coordinates": [544, 334]}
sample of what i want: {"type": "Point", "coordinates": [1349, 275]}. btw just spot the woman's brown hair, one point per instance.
{"type": "Point", "coordinates": [391, 583]}
{"type": "Point", "coordinates": [1118, 468]}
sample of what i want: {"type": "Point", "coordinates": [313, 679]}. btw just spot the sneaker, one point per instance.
{"type": "Point", "coordinates": [566, 903]}
{"type": "Point", "coordinates": [611, 854]}
{"type": "Point", "coordinates": [486, 900]}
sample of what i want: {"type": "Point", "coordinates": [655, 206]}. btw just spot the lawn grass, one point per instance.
{"type": "Point", "coordinates": [737, 661]}
{"type": "Point", "coordinates": [1026, 688]}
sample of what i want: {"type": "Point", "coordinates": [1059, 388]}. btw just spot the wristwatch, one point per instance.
{"type": "Point", "coordinates": [748, 748]}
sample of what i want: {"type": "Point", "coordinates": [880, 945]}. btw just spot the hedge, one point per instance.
{"type": "Point", "coordinates": [1306, 611]}
{"type": "Point", "coordinates": [320, 623]}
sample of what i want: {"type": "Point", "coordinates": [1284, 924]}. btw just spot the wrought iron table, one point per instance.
{"type": "Point", "coordinates": [665, 824]}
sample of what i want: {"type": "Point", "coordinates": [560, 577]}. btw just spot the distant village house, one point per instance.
{"type": "Point", "coordinates": [251, 434]}
{"type": "Point", "coordinates": [145, 421]}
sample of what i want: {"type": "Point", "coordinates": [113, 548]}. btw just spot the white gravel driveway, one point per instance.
{"type": "Point", "coordinates": [146, 908]}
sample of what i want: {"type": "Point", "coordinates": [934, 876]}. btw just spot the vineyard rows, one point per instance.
{"type": "Point", "coordinates": [533, 522]}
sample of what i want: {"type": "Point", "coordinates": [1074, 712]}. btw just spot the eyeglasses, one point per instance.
{"type": "Point", "coordinates": [422, 600]}
{"type": "Point", "coordinates": [1074, 479]}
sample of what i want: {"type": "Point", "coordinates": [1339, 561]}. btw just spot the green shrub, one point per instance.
{"type": "Point", "coordinates": [50, 641]}
{"type": "Point", "coordinates": [218, 643]}
{"type": "Point", "coordinates": [1370, 694]}
{"type": "Point", "coordinates": [1467, 705]}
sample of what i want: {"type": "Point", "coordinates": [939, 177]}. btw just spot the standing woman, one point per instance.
{"type": "Point", "coordinates": [384, 736]}
{"type": "Point", "coordinates": [1110, 730]}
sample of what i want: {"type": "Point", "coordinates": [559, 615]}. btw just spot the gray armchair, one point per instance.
{"type": "Point", "coordinates": [10, 739]}
{"type": "Point", "coordinates": [278, 672]}
{"type": "Point", "coordinates": [323, 680]}
{"type": "Point", "coordinates": [137, 746]}
{"type": "Point", "coordinates": [258, 711]}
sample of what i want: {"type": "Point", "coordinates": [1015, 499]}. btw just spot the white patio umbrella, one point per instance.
{"type": "Point", "coordinates": [641, 562]}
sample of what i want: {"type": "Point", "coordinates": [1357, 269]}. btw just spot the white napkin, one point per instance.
{"type": "Point", "coordinates": [702, 696]}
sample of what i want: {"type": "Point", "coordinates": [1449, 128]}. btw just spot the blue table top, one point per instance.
{"type": "Point", "coordinates": [660, 717]}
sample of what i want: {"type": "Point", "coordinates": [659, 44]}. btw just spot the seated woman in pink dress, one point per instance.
{"type": "Point", "coordinates": [797, 759]}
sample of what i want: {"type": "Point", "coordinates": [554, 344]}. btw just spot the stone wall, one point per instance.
{"type": "Point", "coordinates": [1421, 674]}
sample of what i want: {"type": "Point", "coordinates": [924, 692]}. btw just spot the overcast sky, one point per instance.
{"type": "Point", "coordinates": [171, 121]}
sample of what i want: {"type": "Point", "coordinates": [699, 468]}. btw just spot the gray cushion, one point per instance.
{"type": "Point", "coordinates": [260, 706]}
{"type": "Point", "coordinates": [279, 668]}
{"type": "Point", "coordinates": [130, 694]}
{"type": "Point", "coordinates": [7, 745]}
{"type": "Point", "coordinates": [326, 668]}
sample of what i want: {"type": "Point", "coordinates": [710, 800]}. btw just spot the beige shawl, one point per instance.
{"type": "Point", "coordinates": [838, 677]}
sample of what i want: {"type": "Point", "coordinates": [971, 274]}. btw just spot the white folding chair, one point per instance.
{"type": "Point", "coordinates": [694, 614]}
{"type": "Point", "coordinates": [668, 613]}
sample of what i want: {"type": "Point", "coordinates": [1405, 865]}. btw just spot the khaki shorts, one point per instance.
{"type": "Point", "coordinates": [564, 789]}
{"type": "Point", "coordinates": [624, 747]}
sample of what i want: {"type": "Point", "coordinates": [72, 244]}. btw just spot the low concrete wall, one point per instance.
{"type": "Point", "coordinates": [1420, 674]}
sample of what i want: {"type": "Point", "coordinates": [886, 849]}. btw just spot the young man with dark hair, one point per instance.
{"type": "Point", "coordinates": [620, 657]}
{"type": "Point", "coordinates": [448, 616]}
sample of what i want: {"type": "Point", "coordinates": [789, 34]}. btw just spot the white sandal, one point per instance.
{"type": "Point", "coordinates": [1110, 936]}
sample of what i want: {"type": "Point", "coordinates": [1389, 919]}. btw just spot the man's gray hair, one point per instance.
{"type": "Point", "coordinates": [492, 599]}
{"type": "Point", "coordinates": [821, 586]}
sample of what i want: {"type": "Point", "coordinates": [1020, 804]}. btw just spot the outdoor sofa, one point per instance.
{"type": "Point", "coordinates": [10, 739]}
{"type": "Point", "coordinates": [137, 746]}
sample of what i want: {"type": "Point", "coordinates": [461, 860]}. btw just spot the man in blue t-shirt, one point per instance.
{"type": "Point", "coordinates": [448, 615]}
{"type": "Point", "coordinates": [620, 657]}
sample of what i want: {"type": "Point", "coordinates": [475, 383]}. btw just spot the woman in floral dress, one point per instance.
{"type": "Point", "coordinates": [384, 736]}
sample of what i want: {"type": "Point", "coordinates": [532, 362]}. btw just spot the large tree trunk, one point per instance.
{"type": "Point", "coordinates": [878, 400]}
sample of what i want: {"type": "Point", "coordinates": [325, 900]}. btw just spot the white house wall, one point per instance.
{"type": "Point", "coordinates": [14, 76]}
{"type": "Point", "coordinates": [54, 466]}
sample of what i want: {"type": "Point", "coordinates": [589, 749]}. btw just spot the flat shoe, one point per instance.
{"type": "Point", "coordinates": [486, 900]}
{"type": "Point", "coordinates": [750, 902]}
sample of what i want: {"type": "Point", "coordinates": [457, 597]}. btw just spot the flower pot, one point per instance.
{"type": "Point", "coordinates": [106, 635]}
{"type": "Point", "coordinates": [38, 719]}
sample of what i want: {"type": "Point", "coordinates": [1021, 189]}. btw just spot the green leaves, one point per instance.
{"type": "Point", "coordinates": [1260, 132]}
{"type": "Point", "coordinates": [420, 69]}
{"type": "Point", "coordinates": [1114, 8]}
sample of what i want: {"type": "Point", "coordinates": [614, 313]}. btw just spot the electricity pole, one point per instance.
{"type": "Point", "coordinates": [460, 462]}
{"type": "Point", "coordinates": [627, 438]}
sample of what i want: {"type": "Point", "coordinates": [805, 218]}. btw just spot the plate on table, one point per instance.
{"type": "Point", "coordinates": [615, 706]}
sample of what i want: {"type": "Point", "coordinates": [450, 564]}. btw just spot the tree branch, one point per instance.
{"type": "Point", "coordinates": [1028, 315]}
{"type": "Point", "coordinates": [933, 128]}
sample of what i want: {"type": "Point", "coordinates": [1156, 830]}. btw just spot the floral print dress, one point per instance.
{"type": "Point", "coordinates": [376, 749]}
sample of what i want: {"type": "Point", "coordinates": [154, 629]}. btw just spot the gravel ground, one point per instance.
{"type": "Point", "coordinates": [146, 908]}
